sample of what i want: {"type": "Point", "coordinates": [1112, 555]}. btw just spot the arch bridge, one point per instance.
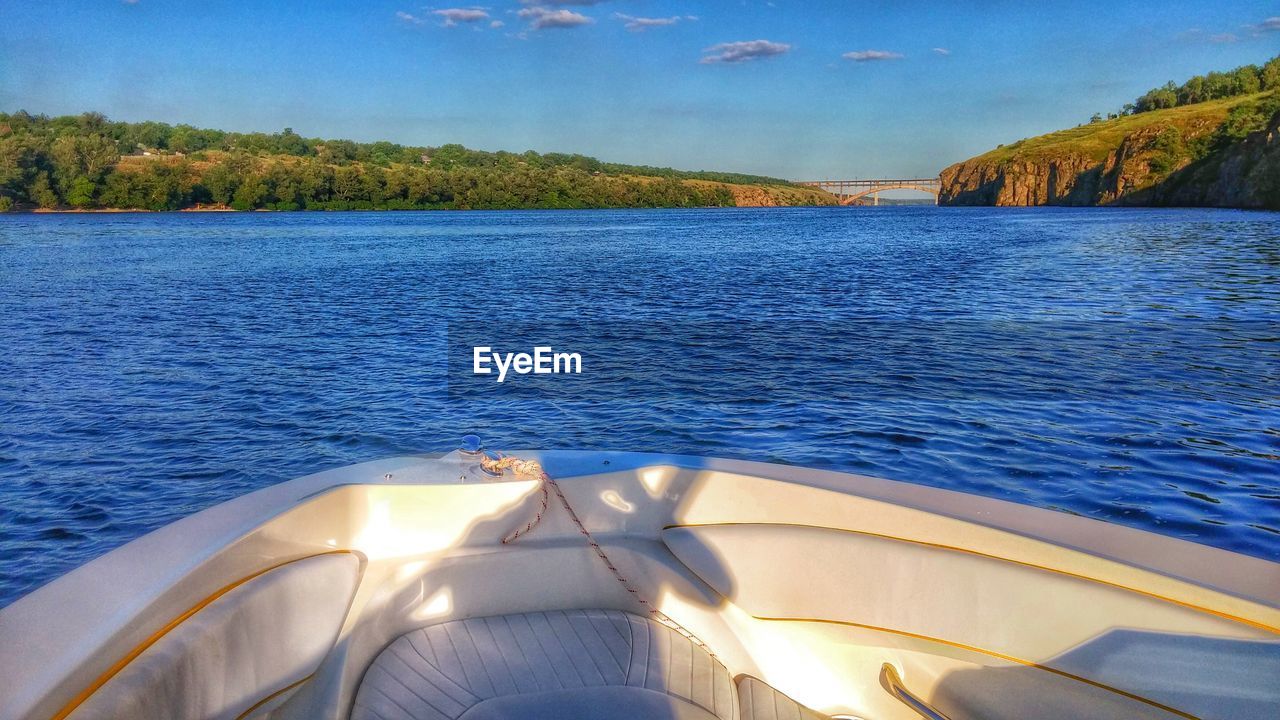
{"type": "Point", "coordinates": [851, 192]}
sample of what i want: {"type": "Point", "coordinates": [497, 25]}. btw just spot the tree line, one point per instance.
{"type": "Point", "coordinates": [87, 161]}
{"type": "Point", "coordinates": [1244, 80]}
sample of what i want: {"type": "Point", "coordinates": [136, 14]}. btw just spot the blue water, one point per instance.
{"type": "Point", "coordinates": [1119, 364]}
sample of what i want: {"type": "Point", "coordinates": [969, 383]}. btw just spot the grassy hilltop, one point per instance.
{"type": "Point", "coordinates": [1099, 139]}
{"type": "Point", "coordinates": [87, 162]}
{"type": "Point", "coordinates": [1213, 141]}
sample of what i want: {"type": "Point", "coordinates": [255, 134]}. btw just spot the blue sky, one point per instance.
{"type": "Point", "coordinates": [788, 88]}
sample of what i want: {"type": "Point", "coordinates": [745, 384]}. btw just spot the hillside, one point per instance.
{"type": "Point", "coordinates": [1219, 153]}
{"type": "Point", "coordinates": [1211, 141]}
{"type": "Point", "coordinates": [87, 163]}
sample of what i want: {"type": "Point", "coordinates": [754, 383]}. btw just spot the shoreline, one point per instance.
{"type": "Point", "coordinates": [92, 211]}
{"type": "Point", "coordinates": [116, 211]}
{"type": "Point", "coordinates": [227, 210]}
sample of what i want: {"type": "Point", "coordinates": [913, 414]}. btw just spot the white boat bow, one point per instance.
{"type": "Point", "coordinates": [739, 590]}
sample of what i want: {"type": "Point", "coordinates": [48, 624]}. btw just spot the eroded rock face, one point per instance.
{"type": "Point", "coordinates": [1128, 169]}
{"type": "Point", "coordinates": [1150, 167]}
{"type": "Point", "coordinates": [1244, 175]}
{"type": "Point", "coordinates": [1062, 181]}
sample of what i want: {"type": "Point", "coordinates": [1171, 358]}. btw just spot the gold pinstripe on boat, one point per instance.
{"type": "Point", "coordinates": [990, 653]}
{"type": "Point", "coordinates": [152, 639]}
{"type": "Point", "coordinates": [273, 696]}
{"type": "Point", "coordinates": [1190, 606]}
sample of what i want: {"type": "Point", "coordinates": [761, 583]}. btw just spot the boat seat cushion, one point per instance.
{"type": "Point", "coordinates": [563, 665]}
{"type": "Point", "coordinates": [251, 642]}
{"type": "Point", "coordinates": [760, 701]}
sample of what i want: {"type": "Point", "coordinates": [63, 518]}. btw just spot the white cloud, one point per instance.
{"type": "Point", "coordinates": [942, 51]}
{"type": "Point", "coordinates": [871, 55]}
{"type": "Point", "coordinates": [561, 2]}
{"type": "Point", "coordinates": [640, 24]}
{"type": "Point", "coordinates": [736, 52]}
{"type": "Point", "coordinates": [453, 16]}
{"type": "Point", "coordinates": [544, 18]}
{"type": "Point", "coordinates": [1271, 24]}
{"type": "Point", "coordinates": [1267, 25]}
{"type": "Point", "coordinates": [411, 19]}
{"type": "Point", "coordinates": [496, 24]}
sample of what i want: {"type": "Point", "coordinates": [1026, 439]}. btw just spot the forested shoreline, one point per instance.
{"type": "Point", "coordinates": [87, 162]}
{"type": "Point", "coordinates": [1244, 80]}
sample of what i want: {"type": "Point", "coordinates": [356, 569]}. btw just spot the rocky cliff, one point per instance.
{"type": "Point", "coordinates": [1245, 174]}
{"type": "Point", "coordinates": [1196, 156]}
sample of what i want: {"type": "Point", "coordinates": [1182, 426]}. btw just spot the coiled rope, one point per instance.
{"type": "Point", "coordinates": [531, 469]}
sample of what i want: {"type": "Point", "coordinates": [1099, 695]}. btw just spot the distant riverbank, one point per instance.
{"type": "Point", "coordinates": [88, 163]}
{"type": "Point", "coordinates": [739, 196]}
{"type": "Point", "coordinates": [92, 211]}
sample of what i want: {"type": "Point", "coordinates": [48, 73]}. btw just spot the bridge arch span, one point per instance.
{"type": "Point", "coordinates": [850, 192]}
{"type": "Point", "coordinates": [854, 198]}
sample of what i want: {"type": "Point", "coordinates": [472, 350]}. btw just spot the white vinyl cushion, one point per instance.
{"type": "Point", "coordinates": [255, 640]}
{"type": "Point", "coordinates": [563, 665]}
{"type": "Point", "coordinates": [761, 702]}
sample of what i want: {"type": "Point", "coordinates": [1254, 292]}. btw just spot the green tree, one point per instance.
{"type": "Point", "coordinates": [187, 139]}
{"type": "Point", "coordinates": [221, 183]}
{"type": "Point", "coordinates": [164, 186]}
{"type": "Point", "coordinates": [75, 160]}
{"type": "Point", "coordinates": [283, 186]}
{"type": "Point", "coordinates": [80, 193]}
{"type": "Point", "coordinates": [1169, 150]}
{"type": "Point", "coordinates": [250, 194]}
{"type": "Point", "coordinates": [346, 183]}
{"type": "Point", "coordinates": [42, 192]}
{"type": "Point", "coordinates": [149, 135]}
{"type": "Point", "coordinates": [1269, 76]}
{"type": "Point", "coordinates": [1246, 80]}
{"type": "Point", "coordinates": [86, 156]}
{"type": "Point", "coordinates": [92, 122]}
{"type": "Point", "coordinates": [121, 191]}
{"type": "Point", "coordinates": [19, 163]}
{"type": "Point", "coordinates": [1161, 97]}
{"type": "Point", "coordinates": [289, 142]}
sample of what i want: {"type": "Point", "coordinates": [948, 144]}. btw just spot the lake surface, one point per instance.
{"type": "Point", "coordinates": [1119, 364]}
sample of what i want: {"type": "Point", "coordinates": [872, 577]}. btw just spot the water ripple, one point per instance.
{"type": "Point", "coordinates": [1115, 364]}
